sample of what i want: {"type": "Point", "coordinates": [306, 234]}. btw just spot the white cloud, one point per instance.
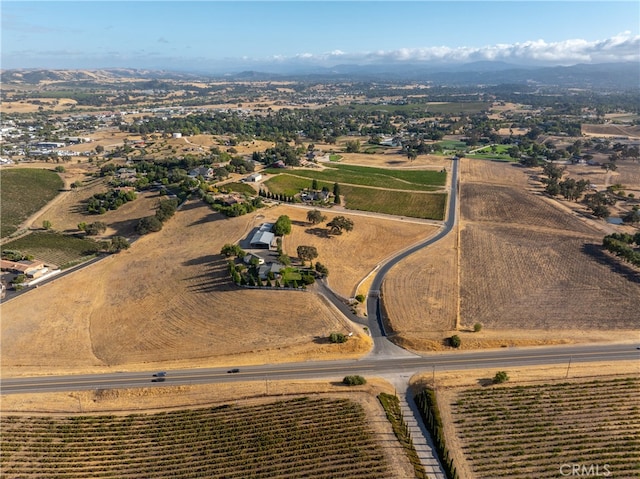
{"type": "Point", "coordinates": [621, 47]}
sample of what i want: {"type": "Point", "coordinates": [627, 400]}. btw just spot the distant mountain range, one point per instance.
{"type": "Point", "coordinates": [610, 76]}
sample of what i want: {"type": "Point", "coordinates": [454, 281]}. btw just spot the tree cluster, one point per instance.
{"type": "Point", "coordinates": [100, 203]}
{"type": "Point", "coordinates": [621, 244]}
{"type": "Point", "coordinates": [150, 224]}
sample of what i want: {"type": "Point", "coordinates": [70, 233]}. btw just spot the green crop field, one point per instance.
{"type": "Point", "coordinates": [286, 184]}
{"type": "Point", "coordinates": [322, 438]}
{"type": "Point", "coordinates": [399, 203]}
{"type": "Point", "coordinates": [532, 431]}
{"type": "Point", "coordinates": [24, 191]}
{"type": "Point", "coordinates": [54, 248]}
{"type": "Point", "coordinates": [417, 180]}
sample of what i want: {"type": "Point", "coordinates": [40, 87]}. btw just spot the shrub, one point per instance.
{"type": "Point", "coordinates": [477, 327]}
{"type": "Point", "coordinates": [360, 298]}
{"type": "Point", "coordinates": [354, 380]}
{"type": "Point", "coordinates": [500, 377]}
{"type": "Point", "coordinates": [455, 341]}
{"type": "Point", "coordinates": [338, 338]}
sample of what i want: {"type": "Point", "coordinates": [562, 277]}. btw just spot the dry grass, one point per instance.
{"type": "Point", "coordinates": [531, 271]}
{"type": "Point", "coordinates": [167, 300]}
{"type": "Point", "coordinates": [633, 132]}
{"type": "Point", "coordinates": [543, 280]}
{"type": "Point", "coordinates": [421, 292]}
{"type": "Point", "coordinates": [347, 260]}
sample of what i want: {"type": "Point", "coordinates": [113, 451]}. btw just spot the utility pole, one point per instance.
{"type": "Point", "coordinates": [567, 375]}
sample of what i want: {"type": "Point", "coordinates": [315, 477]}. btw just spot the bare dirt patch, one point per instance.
{"type": "Point", "coordinates": [394, 159]}
{"type": "Point", "coordinates": [494, 172]}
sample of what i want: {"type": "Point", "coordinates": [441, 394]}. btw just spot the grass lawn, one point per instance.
{"type": "Point", "coordinates": [54, 248]}
{"type": "Point", "coordinates": [452, 144]}
{"type": "Point", "coordinates": [290, 274]}
{"type": "Point", "coordinates": [493, 152]}
{"type": "Point", "coordinates": [23, 192]}
{"type": "Point", "coordinates": [239, 188]}
{"type": "Point", "coordinates": [399, 203]}
{"type": "Point", "coordinates": [335, 157]}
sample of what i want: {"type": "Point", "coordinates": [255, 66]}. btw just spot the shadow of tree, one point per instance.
{"type": "Point", "coordinates": [485, 382]}
{"type": "Point", "coordinates": [320, 232]}
{"type": "Point", "coordinates": [596, 252]}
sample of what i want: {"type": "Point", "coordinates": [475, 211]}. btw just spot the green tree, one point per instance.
{"type": "Point", "coordinates": [354, 380]}
{"type": "Point", "coordinates": [60, 169]}
{"type": "Point", "coordinates": [314, 184]}
{"type": "Point", "coordinates": [500, 377]}
{"type": "Point", "coordinates": [118, 243]}
{"type": "Point", "coordinates": [455, 341]}
{"type": "Point", "coordinates": [307, 253]}
{"type": "Point", "coordinates": [321, 269]}
{"type": "Point", "coordinates": [99, 149]}
{"type": "Point", "coordinates": [477, 327]}
{"type": "Point", "coordinates": [340, 223]}
{"type": "Point", "coordinates": [352, 146]}
{"type": "Point", "coordinates": [282, 226]}
{"type": "Point", "coordinates": [148, 224]}
{"type": "Point", "coordinates": [315, 216]}
{"type": "Point", "coordinates": [232, 250]}
{"type": "Point", "coordinates": [95, 228]}
{"type": "Point", "coordinates": [338, 338]}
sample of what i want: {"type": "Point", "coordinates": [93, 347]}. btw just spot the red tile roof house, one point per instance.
{"type": "Point", "coordinates": [28, 268]}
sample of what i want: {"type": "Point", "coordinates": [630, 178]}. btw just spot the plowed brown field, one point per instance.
{"type": "Point", "coordinates": [530, 271]}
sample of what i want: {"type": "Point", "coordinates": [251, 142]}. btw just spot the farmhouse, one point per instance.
{"type": "Point", "coordinates": [254, 177]}
{"type": "Point", "coordinates": [265, 269]}
{"type": "Point", "coordinates": [202, 171]}
{"type": "Point", "coordinates": [31, 269]}
{"type": "Point", "coordinates": [263, 238]}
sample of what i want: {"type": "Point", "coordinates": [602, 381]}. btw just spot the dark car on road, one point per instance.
{"type": "Point", "coordinates": [234, 370]}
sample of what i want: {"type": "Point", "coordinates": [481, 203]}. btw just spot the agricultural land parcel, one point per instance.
{"type": "Point", "coordinates": [168, 299]}
{"type": "Point", "coordinates": [322, 437]}
{"type": "Point", "coordinates": [399, 192]}
{"type": "Point", "coordinates": [529, 271]}
{"type": "Point", "coordinates": [18, 202]}
{"type": "Point", "coordinates": [540, 381]}
{"type": "Point", "coordinates": [535, 429]}
{"type": "Point", "coordinates": [239, 396]}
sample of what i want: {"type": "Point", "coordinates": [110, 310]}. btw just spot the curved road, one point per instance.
{"type": "Point", "coordinates": [382, 345]}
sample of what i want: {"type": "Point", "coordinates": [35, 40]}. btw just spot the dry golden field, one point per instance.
{"type": "Point", "coordinates": [420, 293]}
{"type": "Point", "coordinates": [167, 300]}
{"type": "Point", "coordinates": [527, 263]}
{"type": "Point", "coordinates": [632, 132]}
{"type": "Point", "coordinates": [529, 269]}
{"type": "Point", "coordinates": [348, 260]}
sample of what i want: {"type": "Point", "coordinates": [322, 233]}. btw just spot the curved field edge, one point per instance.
{"type": "Point", "coordinates": [23, 192]}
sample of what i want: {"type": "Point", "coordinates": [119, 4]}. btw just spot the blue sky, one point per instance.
{"type": "Point", "coordinates": [218, 36]}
